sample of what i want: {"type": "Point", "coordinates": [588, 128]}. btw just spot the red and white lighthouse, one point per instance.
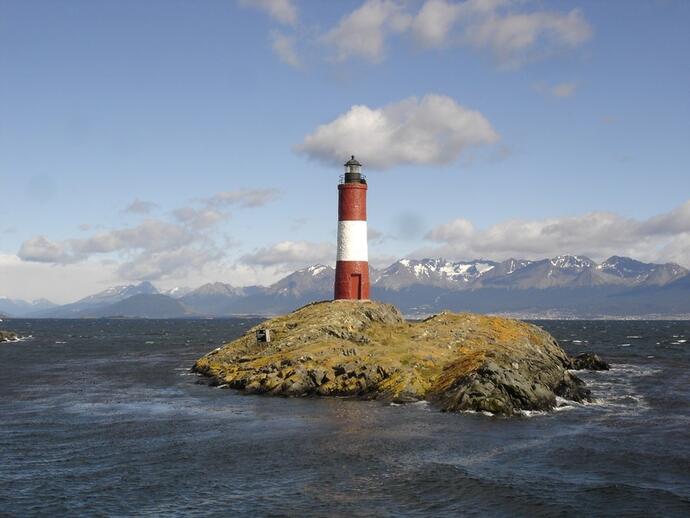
{"type": "Point", "coordinates": [352, 263]}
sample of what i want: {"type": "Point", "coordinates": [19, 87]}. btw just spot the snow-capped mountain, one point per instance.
{"type": "Point", "coordinates": [625, 268]}
{"type": "Point", "coordinates": [317, 278]}
{"type": "Point", "coordinates": [560, 271]}
{"type": "Point", "coordinates": [216, 288]}
{"type": "Point", "coordinates": [573, 285]}
{"type": "Point", "coordinates": [20, 308]}
{"type": "Point", "coordinates": [102, 299]}
{"type": "Point", "coordinates": [434, 272]}
{"type": "Point", "coordinates": [177, 292]}
{"type": "Point", "coordinates": [215, 298]}
{"type": "Point", "coordinates": [118, 293]}
{"type": "Point", "coordinates": [509, 266]}
{"type": "Point", "coordinates": [571, 262]}
{"type": "Point", "coordinates": [639, 272]}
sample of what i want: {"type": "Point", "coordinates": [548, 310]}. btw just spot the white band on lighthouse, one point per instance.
{"type": "Point", "coordinates": [352, 241]}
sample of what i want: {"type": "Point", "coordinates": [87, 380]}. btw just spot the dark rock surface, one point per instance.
{"type": "Point", "coordinates": [589, 361]}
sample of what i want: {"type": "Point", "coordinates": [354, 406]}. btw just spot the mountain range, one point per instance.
{"type": "Point", "coordinates": [19, 307]}
{"type": "Point", "coordinates": [564, 286]}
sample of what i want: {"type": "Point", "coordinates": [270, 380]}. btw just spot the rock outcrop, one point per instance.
{"type": "Point", "coordinates": [7, 336]}
{"type": "Point", "coordinates": [589, 361]}
{"type": "Point", "coordinates": [458, 362]}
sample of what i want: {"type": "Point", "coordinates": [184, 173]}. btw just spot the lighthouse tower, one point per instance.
{"type": "Point", "coordinates": [352, 266]}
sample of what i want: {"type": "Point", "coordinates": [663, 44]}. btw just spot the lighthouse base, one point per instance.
{"type": "Point", "coordinates": [351, 280]}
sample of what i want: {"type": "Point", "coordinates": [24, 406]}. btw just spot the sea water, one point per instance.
{"type": "Point", "coordinates": [103, 417]}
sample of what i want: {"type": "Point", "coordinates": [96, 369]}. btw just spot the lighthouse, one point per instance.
{"type": "Point", "coordinates": [352, 261]}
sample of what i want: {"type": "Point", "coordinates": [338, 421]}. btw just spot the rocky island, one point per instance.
{"type": "Point", "coordinates": [7, 336]}
{"type": "Point", "coordinates": [367, 350]}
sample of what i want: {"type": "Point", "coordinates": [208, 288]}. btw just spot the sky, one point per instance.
{"type": "Point", "coordinates": [189, 142]}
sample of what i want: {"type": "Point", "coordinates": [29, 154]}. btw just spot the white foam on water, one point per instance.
{"type": "Point", "coordinates": [423, 404]}
{"type": "Point", "coordinates": [633, 336]}
{"type": "Point", "coordinates": [634, 370]}
{"type": "Point", "coordinates": [483, 412]}
{"type": "Point", "coordinates": [20, 339]}
{"type": "Point", "coordinates": [533, 413]}
{"type": "Point", "coordinates": [624, 345]}
{"type": "Point", "coordinates": [58, 342]}
{"type": "Point", "coordinates": [614, 390]}
{"type": "Point", "coordinates": [562, 408]}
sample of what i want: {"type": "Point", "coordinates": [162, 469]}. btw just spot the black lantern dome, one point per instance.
{"type": "Point", "coordinates": [353, 171]}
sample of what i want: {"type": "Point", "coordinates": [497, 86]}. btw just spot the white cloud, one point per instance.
{"type": "Point", "coordinates": [433, 130]}
{"type": "Point", "coordinates": [155, 248]}
{"type": "Point", "coordinates": [152, 235]}
{"type": "Point", "coordinates": [198, 218]}
{"type": "Point", "coordinates": [363, 32]}
{"type": "Point", "coordinates": [140, 207]}
{"type": "Point", "coordinates": [673, 222]}
{"type": "Point", "coordinates": [515, 38]}
{"type": "Point", "coordinates": [288, 254]}
{"type": "Point", "coordinates": [40, 249]}
{"type": "Point", "coordinates": [283, 11]}
{"type": "Point", "coordinates": [150, 250]}
{"type": "Point", "coordinates": [246, 198]}
{"type": "Point", "coordinates": [33, 280]}
{"type": "Point", "coordinates": [284, 47]}
{"type": "Point", "coordinates": [513, 31]}
{"type": "Point", "coordinates": [665, 237]}
{"type": "Point", "coordinates": [177, 261]}
{"type": "Point", "coordinates": [433, 23]}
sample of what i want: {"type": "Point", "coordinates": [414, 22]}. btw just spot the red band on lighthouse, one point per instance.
{"type": "Point", "coordinates": [352, 266]}
{"type": "Point", "coordinates": [352, 202]}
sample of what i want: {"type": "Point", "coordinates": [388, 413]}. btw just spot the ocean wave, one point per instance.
{"type": "Point", "coordinates": [615, 389]}
{"type": "Point", "coordinates": [632, 370]}
{"type": "Point", "coordinates": [533, 413]}
{"type": "Point", "coordinates": [19, 339]}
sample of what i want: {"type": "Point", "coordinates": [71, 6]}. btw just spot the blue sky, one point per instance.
{"type": "Point", "coordinates": [487, 128]}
